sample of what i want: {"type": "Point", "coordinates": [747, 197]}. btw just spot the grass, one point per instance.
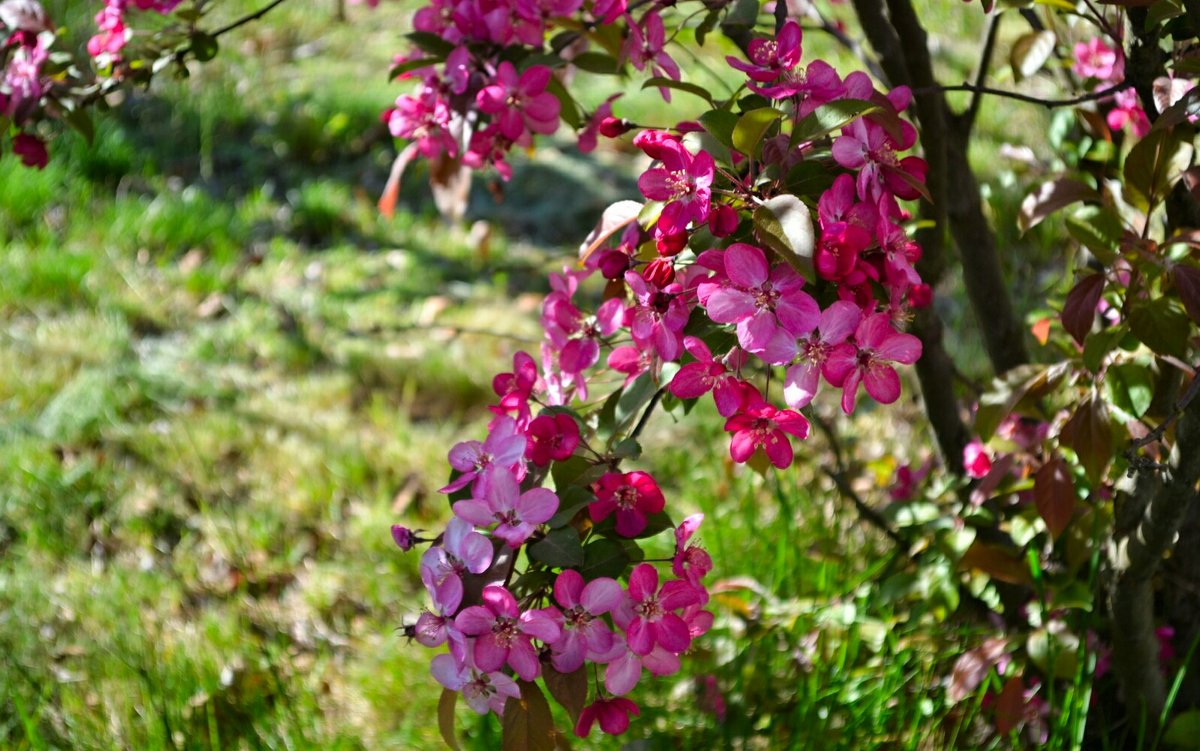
{"type": "Point", "coordinates": [224, 376]}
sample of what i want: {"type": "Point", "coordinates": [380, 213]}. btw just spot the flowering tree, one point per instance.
{"type": "Point", "coordinates": [791, 233]}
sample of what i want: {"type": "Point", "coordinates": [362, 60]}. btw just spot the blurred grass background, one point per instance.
{"type": "Point", "coordinates": [223, 376]}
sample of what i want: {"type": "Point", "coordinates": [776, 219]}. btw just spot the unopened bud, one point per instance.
{"type": "Point", "coordinates": [613, 127]}
{"type": "Point", "coordinates": [723, 221]}
{"type": "Point", "coordinates": [613, 264]}
{"type": "Point", "coordinates": [669, 245]}
{"type": "Point", "coordinates": [404, 537]}
{"type": "Point", "coordinates": [660, 272]}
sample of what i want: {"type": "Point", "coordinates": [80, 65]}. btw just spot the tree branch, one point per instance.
{"type": "Point", "coordinates": [1048, 103]}
{"type": "Point", "coordinates": [247, 19]}
{"type": "Point", "coordinates": [985, 62]}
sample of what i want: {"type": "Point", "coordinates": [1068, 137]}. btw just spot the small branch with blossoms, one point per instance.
{"type": "Point", "coordinates": [732, 271]}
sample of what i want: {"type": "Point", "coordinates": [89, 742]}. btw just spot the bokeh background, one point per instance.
{"type": "Point", "coordinates": [223, 376]}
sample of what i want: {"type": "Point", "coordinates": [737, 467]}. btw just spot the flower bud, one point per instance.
{"type": "Point", "coordinates": [613, 264]}
{"type": "Point", "coordinates": [920, 296]}
{"type": "Point", "coordinates": [672, 244]}
{"type": "Point", "coordinates": [614, 127]}
{"type": "Point", "coordinates": [404, 537]}
{"type": "Point", "coordinates": [660, 272]}
{"type": "Point", "coordinates": [723, 221]}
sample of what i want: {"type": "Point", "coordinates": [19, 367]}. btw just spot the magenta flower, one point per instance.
{"type": "Point", "coordinates": [683, 182]}
{"type": "Point", "coordinates": [644, 47]}
{"type": "Point", "coordinates": [1095, 59]}
{"type": "Point", "coordinates": [646, 614]}
{"type": "Point", "coordinates": [552, 438]}
{"type": "Point", "coordinates": [869, 363]}
{"type": "Point", "coordinates": [708, 374]}
{"type": "Point", "coordinates": [442, 566]}
{"type": "Point", "coordinates": [595, 125]}
{"type": "Point", "coordinates": [976, 461]}
{"type": "Point", "coordinates": [584, 633]}
{"type": "Point", "coordinates": [504, 449]}
{"type": "Point", "coordinates": [612, 714]}
{"type": "Point", "coordinates": [767, 304]}
{"type": "Point", "coordinates": [633, 496]}
{"type": "Point", "coordinates": [808, 86]}
{"type": "Point", "coordinates": [484, 690]}
{"type": "Point", "coordinates": [515, 388]}
{"type": "Point", "coordinates": [517, 513]}
{"type": "Point", "coordinates": [624, 670]}
{"type": "Point", "coordinates": [504, 634]}
{"type": "Point", "coordinates": [770, 58]}
{"type": "Point", "coordinates": [802, 379]}
{"type": "Point", "coordinates": [31, 150]}
{"type": "Point", "coordinates": [403, 537]}
{"type": "Point", "coordinates": [691, 562]}
{"type": "Point", "coordinates": [520, 102]}
{"type": "Point", "coordinates": [424, 119]}
{"type": "Point", "coordinates": [633, 361]}
{"type": "Point", "coordinates": [867, 148]}
{"type": "Point", "coordinates": [763, 426]}
{"type": "Point", "coordinates": [657, 320]}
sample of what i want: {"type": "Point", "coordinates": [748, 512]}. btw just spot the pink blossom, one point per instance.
{"type": "Point", "coordinates": [761, 425]}
{"type": "Point", "coordinates": [976, 461]}
{"type": "Point", "coordinates": [624, 670]}
{"type": "Point", "coordinates": [484, 690]}
{"type": "Point", "coordinates": [520, 102]}
{"type": "Point", "coordinates": [839, 251]}
{"type": "Point", "coordinates": [683, 181]}
{"type": "Point", "coordinates": [633, 361]}
{"type": "Point", "coordinates": [552, 438]}
{"type": "Point", "coordinates": [708, 374]}
{"type": "Point", "coordinates": [31, 150]}
{"type": "Point", "coordinates": [646, 613]}
{"type": "Point", "coordinates": [504, 448]}
{"type": "Point", "coordinates": [504, 633]}
{"type": "Point", "coordinates": [691, 562]}
{"type": "Point", "coordinates": [24, 84]}
{"type": "Point", "coordinates": [808, 86]}
{"type": "Point", "coordinates": [633, 496]}
{"type": "Point", "coordinates": [403, 537]}
{"type": "Point", "coordinates": [1127, 110]}
{"type": "Point", "coordinates": [424, 119]}
{"type": "Point", "coordinates": [657, 320]}
{"type": "Point", "coordinates": [802, 379]}
{"type": "Point", "coordinates": [24, 15]}
{"type": "Point", "coordinates": [1095, 59]}
{"type": "Point", "coordinates": [442, 566]}
{"type": "Point", "coordinates": [770, 58]}
{"type": "Point", "coordinates": [518, 513]}
{"type": "Point", "coordinates": [515, 388]}
{"type": "Point", "coordinates": [766, 304]}
{"type": "Point", "coordinates": [644, 47]}
{"type": "Point", "coordinates": [868, 148]}
{"type": "Point", "coordinates": [595, 125]}
{"type": "Point", "coordinates": [584, 633]}
{"type": "Point", "coordinates": [612, 714]}
{"type": "Point", "coordinates": [869, 363]}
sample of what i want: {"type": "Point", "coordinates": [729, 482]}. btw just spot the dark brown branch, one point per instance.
{"type": "Point", "coordinates": [248, 19]}
{"type": "Point", "coordinates": [1048, 103]}
{"type": "Point", "coordinates": [985, 62]}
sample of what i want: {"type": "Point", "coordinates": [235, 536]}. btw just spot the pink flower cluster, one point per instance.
{"type": "Point", "coordinates": [114, 33]}
{"type": "Point", "coordinates": [694, 302]}
{"type": "Point", "coordinates": [477, 101]}
{"type": "Point", "coordinates": [27, 34]}
{"type": "Point", "coordinates": [1096, 61]}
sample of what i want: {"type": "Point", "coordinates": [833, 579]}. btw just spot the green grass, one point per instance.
{"type": "Point", "coordinates": [223, 376]}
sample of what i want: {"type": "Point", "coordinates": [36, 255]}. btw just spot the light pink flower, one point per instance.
{"type": "Point", "coordinates": [691, 562]}
{"type": "Point", "coordinates": [484, 690]}
{"type": "Point", "coordinates": [976, 461]}
{"type": "Point", "coordinates": [518, 513]}
{"type": "Point", "coordinates": [503, 449]}
{"type": "Point", "coordinates": [504, 634]}
{"type": "Point", "coordinates": [657, 320]}
{"type": "Point", "coordinates": [802, 379]}
{"type": "Point", "coordinates": [442, 566]}
{"type": "Point", "coordinates": [1095, 59]}
{"type": "Point", "coordinates": [584, 633]}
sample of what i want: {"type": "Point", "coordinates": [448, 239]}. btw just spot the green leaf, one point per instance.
{"type": "Point", "coordinates": [1098, 344]}
{"type": "Point", "coordinates": [605, 557]}
{"type": "Point", "coordinates": [571, 501]}
{"type": "Point", "coordinates": [81, 121]}
{"type": "Point", "coordinates": [1030, 52]}
{"type": "Point", "coordinates": [1099, 230]}
{"type": "Point", "coordinates": [784, 224]}
{"type": "Point", "coordinates": [720, 123]}
{"type": "Point", "coordinates": [445, 715]}
{"type": "Point", "coordinates": [707, 25]}
{"type": "Point", "coordinates": [1022, 385]}
{"type": "Point", "coordinates": [596, 62]}
{"type": "Point", "coordinates": [560, 549]}
{"type": "Point", "coordinates": [568, 110]}
{"type": "Point", "coordinates": [829, 117]}
{"type": "Point", "coordinates": [1184, 731]}
{"type": "Point", "coordinates": [1155, 162]}
{"type": "Point", "coordinates": [1162, 325]}
{"type": "Point", "coordinates": [635, 396]}
{"type": "Point", "coordinates": [410, 65]}
{"type": "Point", "coordinates": [568, 689]}
{"type": "Point", "coordinates": [1130, 388]}
{"type": "Point", "coordinates": [527, 722]}
{"type": "Point", "coordinates": [751, 127]}
{"type": "Point", "coordinates": [204, 46]}
{"type": "Point", "coordinates": [431, 43]}
{"type": "Point", "coordinates": [685, 86]}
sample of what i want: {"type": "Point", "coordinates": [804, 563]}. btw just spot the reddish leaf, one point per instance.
{"type": "Point", "coordinates": [1079, 312]}
{"type": "Point", "coordinates": [1041, 330]}
{"type": "Point", "coordinates": [1002, 564]}
{"type": "Point", "coordinates": [615, 218]}
{"type": "Point", "coordinates": [568, 689]}
{"type": "Point", "coordinates": [445, 714]}
{"type": "Point", "coordinates": [1187, 283]}
{"type": "Point", "coordinates": [391, 191]}
{"type": "Point", "coordinates": [1010, 707]}
{"type": "Point", "coordinates": [972, 667]}
{"type": "Point", "coordinates": [1089, 434]}
{"type": "Point", "coordinates": [1054, 495]}
{"type": "Point", "coordinates": [1050, 197]}
{"type": "Point", "coordinates": [527, 723]}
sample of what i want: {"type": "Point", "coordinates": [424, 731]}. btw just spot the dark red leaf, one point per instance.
{"type": "Point", "coordinates": [1089, 434]}
{"type": "Point", "coordinates": [1010, 707]}
{"type": "Point", "coordinates": [1054, 495]}
{"type": "Point", "coordinates": [1187, 282]}
{"type": "Point", "coordinates": [1050, 197]}
{"type": "Point", "coordinates": [1080, 309]}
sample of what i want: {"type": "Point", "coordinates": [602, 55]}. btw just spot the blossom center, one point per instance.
{"type": "Point", "coordinates": [680, 184]}
{"type": "Point", "coordinates": [505, 631]}
{"type": "Point", "coordinates": [577, 618]}
{"type": "Point", "coordinates": [626, 498]}
{"type": "Point", "coordinates": [649, 608]}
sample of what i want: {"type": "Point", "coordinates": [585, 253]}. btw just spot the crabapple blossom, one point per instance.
{"type": "Point", "coordinates": [504, 633]}
{"type": "Point", "coordinates": [442, 566]}
{"type": "Point", "coordinates": [517, 513]}
{"type": "Point", "coordinates": [646, 614]}
{"type": "Point", "coordinates": [484, 690]}
{"type": "Point", "coordinates": [611, 714]}
{"type": "Point", "coordinates": [867, 362]}
{"type": "Point", "coordinates": [709, 374]}
{"type": "Point", "coordinates": [552, 438]}
{"type": "Point", "coordinates": [802, 379]}
{"type": "Point", "coordinates": [503, 449]}
{"type": "Point", "coordinates": [632, 496]}
{"type": "Point", "coordinates": [761, 425]}
{"type": "Point", "coordinates": [584, 634]}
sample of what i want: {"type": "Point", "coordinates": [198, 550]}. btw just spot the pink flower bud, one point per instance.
{"type": "Point", "coordinates": [614, 127]}
{"type": "Point", "coordinates": [723, 221]}
{"type": "Point", "coordinates": [404, 537]}
{"type": "Point", "coordinates": [659, 272]}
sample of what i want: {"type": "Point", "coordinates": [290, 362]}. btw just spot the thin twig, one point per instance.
{"type": "Point", "coordinates": [1048, 103]}
{"type": "Point", "coordinates": [985, 62]}
{"type": "Point", "coordinates": [645, 418]}
{"type": "Point", "coordinates": [247, 19]}
{"type": "Point", "coordinates": [1138, 463]}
